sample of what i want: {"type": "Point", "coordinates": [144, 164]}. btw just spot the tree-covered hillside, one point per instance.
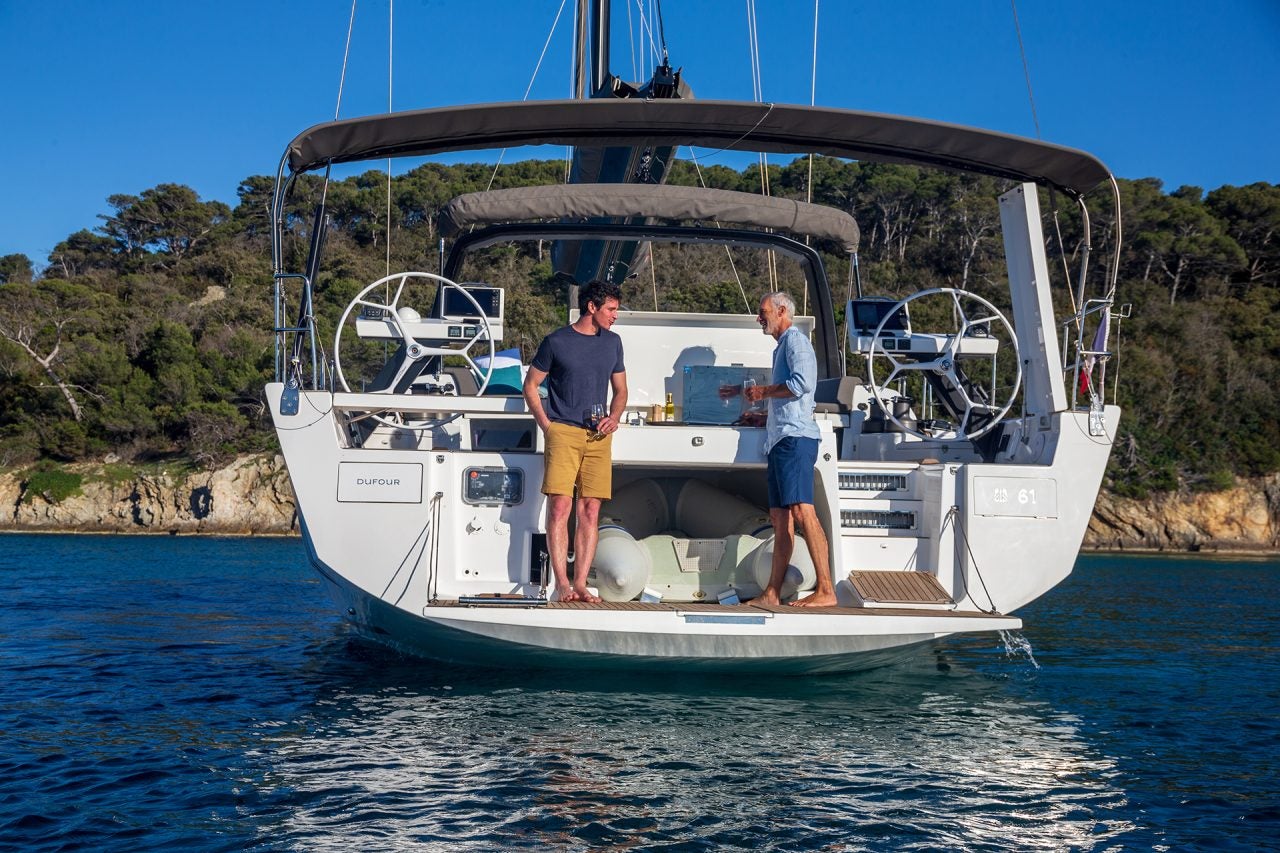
{"type": "Point", "coordinates": [149, 336]}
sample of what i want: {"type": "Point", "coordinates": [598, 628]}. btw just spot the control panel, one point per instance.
{"type": "Point", "coordinates": [493, 486]}
{"type": "Point", "coordinates": [380, 327]}
{"type": "Point", "coordinates": [864, 316]}
{"type": "Point", "coordinates": [926, 345]}
{"type": "Point", "coordinates": [453, 317]}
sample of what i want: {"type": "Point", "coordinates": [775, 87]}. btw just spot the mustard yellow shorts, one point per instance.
{"type": "Point", "coordinates": [575, 458]}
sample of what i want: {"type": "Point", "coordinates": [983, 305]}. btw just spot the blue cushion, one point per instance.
{"type": "Point", "coordinates": [505, 380]}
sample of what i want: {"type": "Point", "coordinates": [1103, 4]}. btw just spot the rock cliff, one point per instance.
{"type": "Point", "coordinates": [252, 495]}
{"type": "Point", "coordinates": [1243, 518]}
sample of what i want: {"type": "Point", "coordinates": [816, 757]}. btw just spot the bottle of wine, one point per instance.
{"type": "Point", "coordinates": [669, 413]}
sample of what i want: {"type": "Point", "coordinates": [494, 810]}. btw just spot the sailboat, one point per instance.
{"type": "Point", "coordinates": [962, 445]}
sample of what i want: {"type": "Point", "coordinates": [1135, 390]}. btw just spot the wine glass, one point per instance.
{"type": "Point", "coordinates": [594, 418]}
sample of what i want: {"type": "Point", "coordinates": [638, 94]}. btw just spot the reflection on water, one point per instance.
{"type": "Point", "coordinates": [925, 754]}
{"type": "Point", "coordinates": [182, 694]}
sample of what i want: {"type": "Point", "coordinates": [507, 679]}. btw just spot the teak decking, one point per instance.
{"type": "Point", "coordinates": [731, 609]}
{"type": "Point", "coordinates": [899, 587]}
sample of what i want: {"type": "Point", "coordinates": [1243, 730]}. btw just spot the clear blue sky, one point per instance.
{"type": "Point", "coordinates": [105, 96]}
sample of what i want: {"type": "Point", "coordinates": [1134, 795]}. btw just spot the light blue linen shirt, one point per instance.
{"type": "Point", "coordinates": [795, 365]}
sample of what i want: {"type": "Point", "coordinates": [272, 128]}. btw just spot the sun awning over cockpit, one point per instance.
{"type": "Point", "coordinates": [734, 125]}
{"type": "Point", "coordinates": [594, 201]}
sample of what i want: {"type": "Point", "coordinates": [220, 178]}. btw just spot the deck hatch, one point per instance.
{"type": "Point", "coordinates": [873, 482]}
{"type": "Point", "coordinates": [877, 519]}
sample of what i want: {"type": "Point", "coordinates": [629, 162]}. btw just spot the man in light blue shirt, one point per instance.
{"type": "Point", "coordinates": [791, 441]}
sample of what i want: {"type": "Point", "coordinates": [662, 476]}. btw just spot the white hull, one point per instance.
{"type": "Point", "coordinates": [387, 562]}
{"type": "Point", "coordinates": [550, 638]}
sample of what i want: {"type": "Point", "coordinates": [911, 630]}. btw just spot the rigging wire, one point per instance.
{"type": "Point", "coordinates": [757, 87]}
{"type": "Point", "coordinates": [1026, 71]}
{"type": "Point", "coordinates": [1112, 275]}
{"type": "Point", "coordinates": [662, 35]}
{"type": "Point", "coordinates": [391, 32]}
{"type": "Point", "coordinates": [527, 89]}
{"type": "Point", "coordinates": [574, 74]}
{"type": "Point", "coordinates": [655, 10]}
{"type": "Point", "coordinates": [653, 274]}
{"type": "Point", "coordinates": [346, 52]}
{"type": "Point", "coordinates": [693, 158]}
{"type": "Point", "coordinates": [813, 92]}
{"type": "Point", "coordinates": [631, 43]}
{"type": "Point", "coordinates": [342, 80]}
{"type": "Point", "coordinates": [328, 169]}
{"type": "Point", "coordinates": [646, 29]}
{"type": "Point", "coordinates": [1062, 250]}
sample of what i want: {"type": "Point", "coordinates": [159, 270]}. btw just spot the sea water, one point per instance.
{"type": "Point", "coordinates": [165, 693]}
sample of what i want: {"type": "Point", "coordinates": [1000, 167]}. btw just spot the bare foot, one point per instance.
{"type": "Point", "coordinates": [766, 598]}
{"type": "Point", "coordinates": [569, 595]}
{"type": "Point", "coordinates": [816, 600]}
{"type": "Point", "coordinates": [585, 595]}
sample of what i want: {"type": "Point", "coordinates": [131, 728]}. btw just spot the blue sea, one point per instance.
{"type": "Point", "coordinates": [200, 694]}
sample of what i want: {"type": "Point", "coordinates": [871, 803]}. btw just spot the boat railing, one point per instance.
{"type": "Point", "coordinates": [288, 358]}
{"type": "Point", "coordinates": [1087, 355]}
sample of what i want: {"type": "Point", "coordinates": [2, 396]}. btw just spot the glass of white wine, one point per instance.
{"type": "Point", "coordinates": [594, 417]}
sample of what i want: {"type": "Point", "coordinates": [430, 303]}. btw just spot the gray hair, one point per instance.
{"type": "Point", "coordinates": [781, 299]}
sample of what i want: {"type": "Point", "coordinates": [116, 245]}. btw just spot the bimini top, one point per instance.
{"type": "Point", "coordinates": [732, 125]}
{"type": "Point", "coordinates": [589, 201]}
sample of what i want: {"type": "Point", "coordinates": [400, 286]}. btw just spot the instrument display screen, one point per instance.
{"type": "Point", "coordinates": [493, 486]}
{"type": "Point", "coordinates": [453, 303]}
{"type": "Point", "coordinates": [865, 315]}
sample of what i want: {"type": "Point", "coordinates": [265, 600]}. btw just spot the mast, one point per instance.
{"type": "Point", "coordinates": [646, 164]}
{"type": "Point", "coordinates": [600, 74]}
{"type": "Point", "coordinates": [591, 32]}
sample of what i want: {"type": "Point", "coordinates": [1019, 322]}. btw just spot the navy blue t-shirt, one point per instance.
{"type": "Point", "coordinates": [578, 368]}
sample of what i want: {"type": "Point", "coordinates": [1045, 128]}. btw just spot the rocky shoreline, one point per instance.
{"type": "Point", "coordinates": [1241, 519]}
{"type": "Point", "coordinates": [252, 496]}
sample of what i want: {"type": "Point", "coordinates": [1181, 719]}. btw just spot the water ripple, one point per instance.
{"type": "Point", "coordinates": [166, 694]}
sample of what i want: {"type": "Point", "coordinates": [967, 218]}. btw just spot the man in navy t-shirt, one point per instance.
{"type": "Point", "coordinates": [580, 362]}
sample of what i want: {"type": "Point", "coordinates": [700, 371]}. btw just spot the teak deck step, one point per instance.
{"type": "Point", "coordinates": [898, 587]}
{"type": "Point", "coordinates": [745, 609]}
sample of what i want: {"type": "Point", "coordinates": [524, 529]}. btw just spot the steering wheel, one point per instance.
{"type": "Point", "coordinates": [944, 365]}
{"type": "Point", "coordinates": [416, 351]}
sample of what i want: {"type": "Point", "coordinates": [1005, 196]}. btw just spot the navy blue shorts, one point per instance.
{"type": "Point", "coordinates": [791, 464]}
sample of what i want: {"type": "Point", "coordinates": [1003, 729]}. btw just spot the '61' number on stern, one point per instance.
{"type": "Point", "coordinates": [1016, 496]}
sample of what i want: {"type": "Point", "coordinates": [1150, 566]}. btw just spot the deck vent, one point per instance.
{"type": "Point", "coordinates": [877, 519]}
{"type": "Point", "coordinates": [873, 482]}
